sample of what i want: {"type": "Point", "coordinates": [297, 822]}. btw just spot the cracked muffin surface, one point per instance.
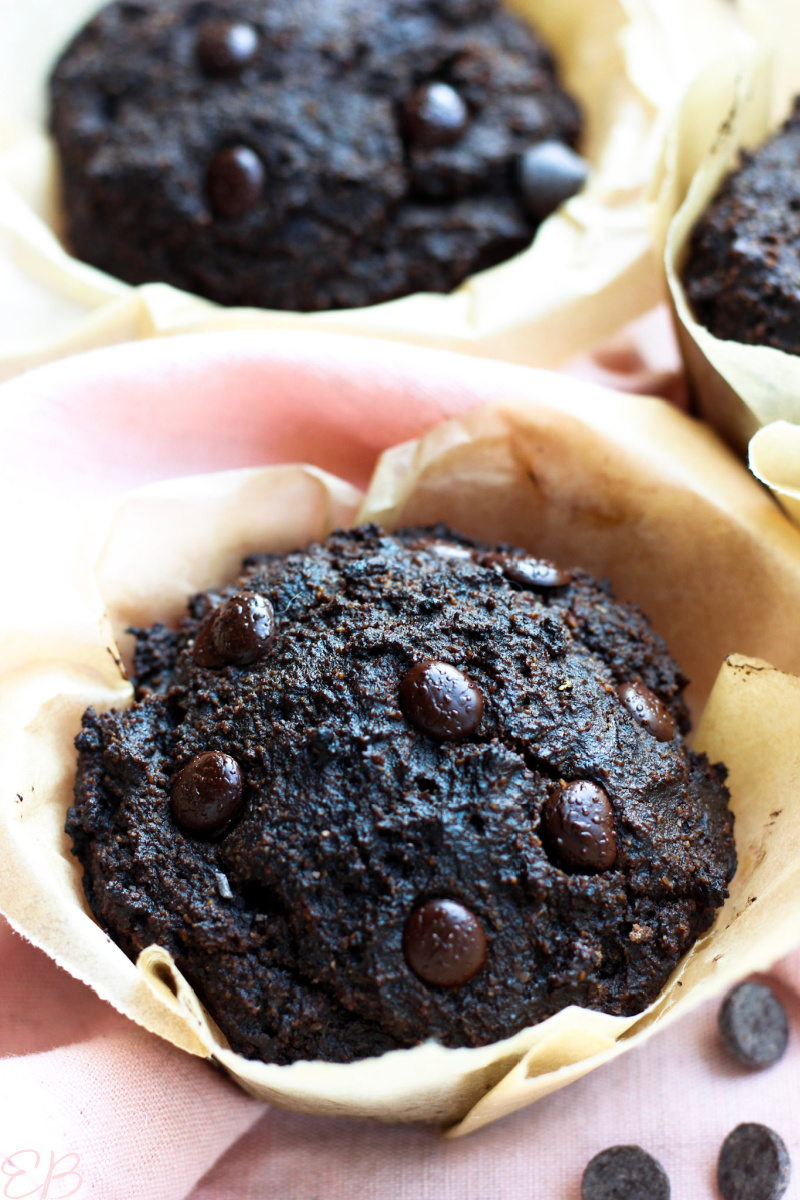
{"type": "Point", "coordinates": [457, 799]}
{"type": "Point", "coordinates": [303, 154]}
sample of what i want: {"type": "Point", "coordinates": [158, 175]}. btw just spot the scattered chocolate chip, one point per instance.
{"type": "Point", "coordinates": [624, 1173]}
{"type": "Point", "coordinates": [444, 944]}
{"type": "Point", "coordinates": [441, 701]}
{"type": "Point", "coordinates": [549, 174]}
{"type": "Point", "coordinates": [753, 1164]}
{"type": "Point", "coordinates": [226, 47]}
{"type": "Point", "coordinates": [528, 572]}
{"type": "Point", "coordinates": [207, 793]}
{"type": "Point", "coordinates": [579, 825]}
{"type": "Point", "coordinates": [237, 634]}
{"type": "Point", "coordinates": [236, 181]}
{"type": "Point", "coordinates": [753, 1025]}
{"type": "Point", "coordinates": [648, 710]}
{"type": "Point", "coordinates": [435, 116]}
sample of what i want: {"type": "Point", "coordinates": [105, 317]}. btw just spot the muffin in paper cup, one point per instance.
{"type": "Point", "coordinates": [113, 522]}
{"type": "Point", "coordinates": [588, 271]}
{"type": "Point", "coordinates": [747, 392]}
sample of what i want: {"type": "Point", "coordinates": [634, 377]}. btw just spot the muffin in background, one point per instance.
{"type": "Point", "coordinates": [306, 155]}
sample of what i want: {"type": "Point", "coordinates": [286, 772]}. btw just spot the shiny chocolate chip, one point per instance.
{"type": "Point", "coordinates": [648, 710]}
{"type": "Point", "coordinates": [441, 701]}
{"type": "Point", "coordinates": [753, 1164]}
{"type": "Point", "coordinates": [435, 116]}
{"type": "Point", "coordinates": [207, 793]}
{"type": "Point", "coordinates": [624, 1173]}
{"type": "Point", "coordinates": [549, 174]}
{"type": "Point", "coordinates": [579, 826]}
{"type": "Point", "coordinates": [444, 944]}
{"type": "Point", "coordinates": [226, 47]}
{"type": "Point", "coordinates": [537, 573]}
{"type": "Point", "coordinates": [449, 550]}
{"type": "Point", "coordinates": [753, 1025]}
{"type": "Point", "coordinates": [237, 634]}
{"type": "Point", "coordinates": [236, 181]}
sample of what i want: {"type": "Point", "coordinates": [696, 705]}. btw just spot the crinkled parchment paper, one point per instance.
{"type": "Point", "coordinates": [590, 269]}
{"type": "Point", "coordinates": [627, 487]}
{"type": "Point", "coordinates": [734, 105]}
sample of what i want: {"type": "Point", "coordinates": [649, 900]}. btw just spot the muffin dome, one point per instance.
{"type": "Point", "coordinates": [304, 154]}
{"type": "Point", "coordinates": [430, 805]}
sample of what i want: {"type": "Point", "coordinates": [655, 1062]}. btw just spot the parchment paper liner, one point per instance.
{"type": "Point", "coordinates": [629, 488]}
{"type": "Point", "coordinates": [590, 269]}
{"type": "Point", "coordinates": [734, 105]}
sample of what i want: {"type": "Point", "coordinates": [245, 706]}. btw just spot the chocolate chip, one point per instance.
{"type": "Point", "coordinates": [444, 944]}
{"type": "Point", "coordinates": [237, 634]}
{"type": "Point", "coordinates": [753, 1164]}
{"type": "Point", "coordinates": [449, 550]}
{"type": "Point", "coordinates": [528, 572]}
{"type": "Point", "coordinates": [579, 825]}
{"type": "Point", "coordinates": [435, 116]}
{"type": "Point", "coordinates": [753, 1025]}
{"type": "Point", "coordinates": [441, 701]}
{"type": "Point", "coordinates": [648, 710]}
{"type": "Point", "coordinates": [624, 1173]}
{"type": "Point", "coordinates": [207, 793]}
{"type": "Point", "coordinates": [226, 47]}
{"type": "Point", "coordinates": [236, 181]}
{"type": "Point", "coordinates": [549, 174]}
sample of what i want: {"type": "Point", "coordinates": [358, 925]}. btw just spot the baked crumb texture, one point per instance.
{"type": "Point", "coordinates": [290, 922]}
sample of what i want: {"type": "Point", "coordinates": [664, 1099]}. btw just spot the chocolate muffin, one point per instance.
{"type": "Point", "coordinates": [742, 276]}
{"type": "Point", "coordinates": [402, 787]}
{"type": "Point", "coordinates": [309, 154]}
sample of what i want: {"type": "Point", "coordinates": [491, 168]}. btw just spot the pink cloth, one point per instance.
{"type": "Point", "coordinates": [90, 1105]}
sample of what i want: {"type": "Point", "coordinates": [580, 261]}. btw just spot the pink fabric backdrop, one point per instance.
{"type": "Point", "coordinates": [90, 1105]}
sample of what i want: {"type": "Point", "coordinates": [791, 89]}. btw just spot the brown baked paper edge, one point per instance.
{"type": "Point", "coordinates": [503, 446]}
{"type": "Point", "coordinates": [589, 271]}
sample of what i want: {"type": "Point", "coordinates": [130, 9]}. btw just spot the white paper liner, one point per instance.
{"type": "Point", "coordinates": [590, 269]}
{"type": "Point", "coordinates": [627, 487]}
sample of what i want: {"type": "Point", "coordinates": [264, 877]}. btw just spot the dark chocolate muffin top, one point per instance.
{"type": "Point", "coordinates": [742, 276]}
{"type": "Point", "coordinates": [394, 788]}
{"type": "Point", "coordinates": [308, 154]}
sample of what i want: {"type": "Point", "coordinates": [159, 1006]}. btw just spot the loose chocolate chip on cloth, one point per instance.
{"type": "Point", "coordinates": [753, 1025]}
{"type": "Point", "coordinates": [624, 1173]}
{"type": "Point", "coordinates": [753, 1164]}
